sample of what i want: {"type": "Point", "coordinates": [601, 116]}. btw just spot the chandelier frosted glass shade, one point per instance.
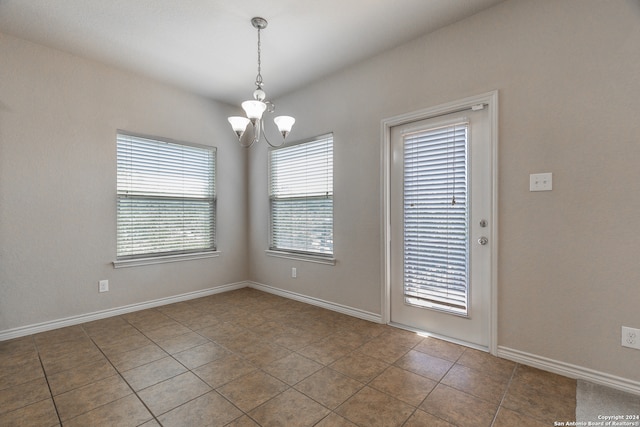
{"type": "Point", "coordinates": [254, 109]}
{"type": "Point", "coordinates": [284, 123]}
{"type": "Point", "coordinates": [239, 124]}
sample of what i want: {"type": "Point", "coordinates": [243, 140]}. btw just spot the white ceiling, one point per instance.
{"type": "Point", "coordinates": [209, 46]}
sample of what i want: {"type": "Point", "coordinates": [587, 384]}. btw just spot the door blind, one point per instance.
{"type": "Point", "coordinates": [166, 197]}
{"type": "Point", "coordinates": [436, 218]}
{"type": "Point", "coordinates": [301, 196]}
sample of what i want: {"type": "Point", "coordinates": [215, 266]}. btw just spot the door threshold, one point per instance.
{"type": "Point", "coordinates": [440, 337]}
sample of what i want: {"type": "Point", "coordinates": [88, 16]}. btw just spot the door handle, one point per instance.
{"type": "Point", "coordinates": [483, 240]}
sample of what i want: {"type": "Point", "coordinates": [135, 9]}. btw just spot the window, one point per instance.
{"type": "Point", "coordinates": [166, 197]}
{"type": "Point", "coordinates": [301, 197]}
{"type": "Point", "coordinates": [436, 253]}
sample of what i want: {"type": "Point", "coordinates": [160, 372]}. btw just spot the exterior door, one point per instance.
{"type": "Point", "coordinates": [441, 202]}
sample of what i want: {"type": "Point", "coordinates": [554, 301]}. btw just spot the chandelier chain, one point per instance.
{"type": "Point", "coordinates": [259, 76]}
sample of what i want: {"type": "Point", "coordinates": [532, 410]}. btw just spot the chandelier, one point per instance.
{"type": "Point", "coordinates": [256, 107]}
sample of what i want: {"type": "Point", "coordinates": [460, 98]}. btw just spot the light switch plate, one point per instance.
{"type": "Point", "coordinates": [541, 182]}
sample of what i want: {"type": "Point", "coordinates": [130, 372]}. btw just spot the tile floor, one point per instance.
{"type": "Point", "coordinates": [247, 358]}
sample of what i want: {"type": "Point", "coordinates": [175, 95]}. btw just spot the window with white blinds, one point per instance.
{"type": "Point", "coordinates": [436, 249]}
{"type": "Point", "coordinates": [301, 197]}
{"type": "Point", "coordinates": [166, 197]}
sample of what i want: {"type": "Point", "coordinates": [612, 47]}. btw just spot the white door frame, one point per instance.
{"type": "Point", "coordinates": [490, 99]}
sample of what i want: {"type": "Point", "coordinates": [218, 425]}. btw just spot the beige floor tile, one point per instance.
{"type": "Point", "coordinates": [422, 419]}
{"type": "Point", "coordinates": [167, 332]}
{"type": "Point", "coordinates": [362, 327]}
{"type": "Point", "coordinates": [22, 395]}
{"type": "Point", "coordinates": [151, 423]}
{"type": "Point", "coordinates": [329, 387]}
{"type": "Point", "coordinates": [263, 353]}
{"type": "Point", "coordinates": [181, 342]}
{"type": "Point", "coordinates": [282, 361]}
{"type": "Point", "coordinates": [459, 408]}
{"type": "Point", "coordinates": [200, 321]}
{"type": "Point", "coordinates": [372, 408]}
{"type": "Point", "coordinates": [41, 414]}
{"type": "Point", "coordinates": [335, 420]}
{"type": "Point", "coordinates": [57, 348]}
{"type": "Point", "coordinates": [125, 412]}
{"type": "Point", "coordinates": [295, 339]}
{"type": "Point", "coordinates": [105, 326]}
{"type": "Point", "coordinates": [152, 373]}
{"type": "Point", "coordinates": [485, 362]}
{"type": "Point", "coordinates": [126, 343]}
{"type": "Point", "coordinates": [112, 337]}
{"type": "Point", "coordinates": [170, 394]}
{"type": "Point", "coordinates": [403, 385]}
{"type": "Point", "coordinates": [326, 351]}
{"type": "Point", "coordinates": [508, 418]}
{"type": "Point", "coordinates": [138, 357]}
{"type": "Point", "coordinates": [243, 421]}
{"type": "Point", "coordinates": [547, 398]}
{"type": "Point", "coordinates": [224, 370]}
{"type": "Point", "coordinates": [290, 408]}
{"type": "Point", "coordinates": [17, 346]}
{"type": "Point", "coordinates": [201, 355]}
{"type": "Point", "coordinates": [252, 390]}
{"type": "Point", "coordinates": [292, 368]}
{"type": "Point", "coordinates": [402, 338]}
{"type": "Point", "coordinates": [68, 333]}
{"type": "Point", "coordinates": [270, 329]}
{"type": "Point", "coordinates": [19, 368]}
{"type": "Point", "coordinates": [359, 366]}
{"type": "Point", "coordinates": [476, 383]}
{"type": "Point", "coordinates": [210, 409]}
{"type": "Point", "coordinates": [439, 348]}
{"type": "Point", "coordinates": [558, 385]}
{"type": "Point", "coordinates": [239, 341]}
{"type": "Point", "coordinates": [382, 349]}
{"type": "Point", "coordinates": [148, 320]}
{"type": "Point", "coordinates": [65, 361]}
{"type": "Point", "coordinates": [425, 365]}
{"type": "Point", "coordinates": [82, 375]}
{"type": "Point", "coordinates": [84, 399]}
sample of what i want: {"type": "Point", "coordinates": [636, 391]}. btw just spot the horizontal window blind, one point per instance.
{"type": "Point", "coordinates": [166, 197]}
{"type": "Point", "coordinates": [436, 217]}
{"type": "Point", "coordinates": [301, 196]}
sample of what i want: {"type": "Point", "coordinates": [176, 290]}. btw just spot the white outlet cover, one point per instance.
{"type": "Point", "coordinates": [103, 286]}
{"type": "Point", "coordinates": [541, 181]}
{"type": "Point", "coordinates": [630, 337]}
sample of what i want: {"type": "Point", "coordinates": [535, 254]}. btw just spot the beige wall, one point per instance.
{"type": "Point", "coordinates": [58, 120]}
{"type": "Point", "coordinates": [568, 75]}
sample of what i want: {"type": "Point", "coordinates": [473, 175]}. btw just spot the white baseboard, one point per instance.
{"type": "Point", "coordinates": [350, 311]}
{"type": "Point", "coordinates": [569, 370]}
{"type": "Point", "coordinates": [89, 317]}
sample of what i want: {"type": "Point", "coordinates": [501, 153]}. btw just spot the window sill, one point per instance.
{"type": "Point", "coordinates": [163, 259]}
{"type": "Point", "coordinates": [302, 257]}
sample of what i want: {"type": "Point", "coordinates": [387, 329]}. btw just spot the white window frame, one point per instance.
{"type": "Point", "coordinates": [126, 191]}
{"type": "Point", "coordinates": [302, 254]}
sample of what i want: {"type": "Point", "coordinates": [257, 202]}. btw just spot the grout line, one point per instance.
{"type": "Point", "coordinates": [46, 378]}
{"type": "Point", "coordinates": [504, 395]}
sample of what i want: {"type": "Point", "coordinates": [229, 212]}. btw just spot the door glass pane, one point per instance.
{"type": "Point", "coordinates": [436, 249]}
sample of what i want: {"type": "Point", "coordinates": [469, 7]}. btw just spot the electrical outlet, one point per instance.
{"type": "Point", "coordinates": [103, 286]}
{"type": "Point", "coordinates": [630, 337]}
{"type": "Point", "coordinates": [541, 182]}
{"type": "Point", "coordinates": [294, 272]}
